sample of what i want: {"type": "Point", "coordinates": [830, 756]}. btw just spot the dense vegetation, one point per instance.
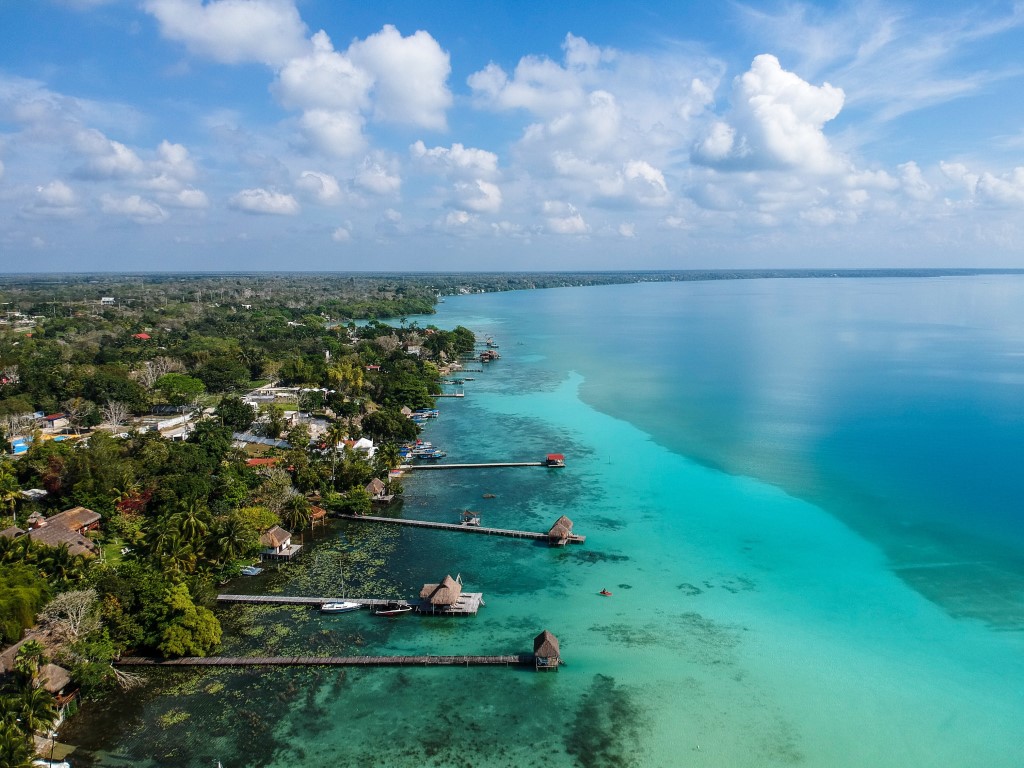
{"type": "Point", "coordinates": [178, 518]}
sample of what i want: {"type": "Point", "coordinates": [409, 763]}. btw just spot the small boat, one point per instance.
{"type": "Point", "coordinates": [344, 607]}
{"type": "Point", "coordinates": [605, 593]}
{"type": "Point", "coordinates": [392, 609]}
{"type": "Point", "coordinates": [251, 570]}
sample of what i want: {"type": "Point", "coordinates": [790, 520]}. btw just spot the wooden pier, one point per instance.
{"type": "Point", "coordinates": [316, 602]}
{"type": "Point", "coordinates": [468, 605]}
{"type": "Point", "coordinates": [573, 538]}
{"type": "Point", "coordinates": [519, 660]}
{"type": "Point", "coordinates": [450, 394]}
{"type": "Point", "coordinates": [476, 466]}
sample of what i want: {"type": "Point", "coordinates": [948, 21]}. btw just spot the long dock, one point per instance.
{"type": "Point", "coordinates": [468, 604]}
{"type": "Point", "coordinates": [573, 538]}
{"type": "Point", "coordinates": [450, 394]}
{"type": "Point", "coordinates": [476, 466]}
{"type": "Point", "coordinates": [520, 659]}
{"type": "Point", "coordinates": [372, 602]}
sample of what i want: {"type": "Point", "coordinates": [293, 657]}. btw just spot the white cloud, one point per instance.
{"type": "Point", "coordinates": [106, 159]}
{"type": "Point", "coordinates": [480, 196]}
{"type": "Point", "coordinates": [456, 219]}
{"type": "Point", "coordinates": [1, 169]}
{"type": "Point", "coordinates": [233, 31]}
{"type": "Point", "coordinates": [410, 75]}
{"type": "Point", "coordinates": [776, 123]}
{"type": "Point", "coordinates": [627, 230]}
{"type": "Point", "coordinates": [1003, 190]}
{"type": "Point", "coordinates": [136, 208]}
{"type": "Point", "coordinates": [339, 134]}
{"type": "Point", "coordinates": [185, 198]}
{"type": "Point", "coordinates": [325, 79]}
{"type": "Point", "coordinates": [564, 219]}
{"type": "Point", "coordinates": [341, 235]}
{"type": "Point", "coordinates": [55, 200]}
{"type": "Point", "coordinates": [913, 182]}
{"type": "Point", "coordinates": [264, 201]}
{"type": "Point", "coordinates": [373, 177]}
{"type": "Point", "coordinates": [320, 187]}
{"type": "Point", "coordinates": [457, 160]}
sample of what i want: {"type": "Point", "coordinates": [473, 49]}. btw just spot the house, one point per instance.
{"type": "Point", "coordinates": [68, 527]}
{"type": "Point", "coordinates": [55, 421]}
{"type": "Point", "coordinates": [107, 301]}
{"type": "Point", "coordinates": [413, 349]}
{"type": "Point", "coordinates": [546, 654]}
{"type": "Point", "coordinates": [277, 545]}
{"type": "Point", "coordinates": [317, 515]}
{"type": "Point", "coordinates": [447, 598]}
{"type": "Point", "coordinates": [142, 336]}
{"type": "Point", "coordinates": [378, 491]}
{"type": "Point", "coordinates": [555, 460]}
{"type": "Point", "coordinates": [373, 367]}
{"type": "Point", "coordinates": [57, 681]}
{"type": "Point", "coordinates": [362, 444]}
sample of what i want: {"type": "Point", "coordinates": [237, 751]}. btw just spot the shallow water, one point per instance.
{"type": "Point", "coordinates": [784, 484]}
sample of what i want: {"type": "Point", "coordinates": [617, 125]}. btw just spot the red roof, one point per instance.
{"type": "Point", "coordinates": [54, 417]}
{"type": "Point", "coordinates": [143, 336]}
{"type": "Point", "coordinates": [264, 462]}
{"type": "Point", "coordinates": [556, 457]}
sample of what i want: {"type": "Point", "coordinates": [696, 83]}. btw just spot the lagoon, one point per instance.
{"type": "Point", "coordinates": [803, 495]}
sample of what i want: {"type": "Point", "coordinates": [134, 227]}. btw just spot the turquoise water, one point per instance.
{"type": "Point", "coordinates": [802, 494]}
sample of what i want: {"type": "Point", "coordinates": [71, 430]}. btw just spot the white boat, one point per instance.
{"type": "Point", "coordinates": [251, 570]}
{"type": "Point", "coordinates": [343, 607]}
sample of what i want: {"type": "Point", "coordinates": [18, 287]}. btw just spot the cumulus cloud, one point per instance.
{"type": "Point", "coordinates": [233, 31]}
{"type": "Point", "coordinates": [136, 208]}
{"type": "Point", "coordinates": [319, 187]}
{"type": "Point", "coordinates": [457, 160]}
{"type": "Point", "coordinates": [776, 122]}
{"type": "Point", "coordinates": [341, 235]}
{"type": "Point", "coordinates": [106, 159]}
{"type": "Point", "coordinates": [334, 133]}
{"type": "Point", "coordinates": [564, 218]}
{"type": "Point", "coordinates": [410, 74]}
{"type": "Point", "coordinates": [264, 201]}
{"type": "Point", "coordinates": [479, 196]}
{"type": "Point", "coordinates": [185, 198]}
{"type": "Point", "coordinates": [54, 200]}
{"type": "Point", "coordinates": [373, 177]}
{"type": "Point", "coordinates": [324, 79]}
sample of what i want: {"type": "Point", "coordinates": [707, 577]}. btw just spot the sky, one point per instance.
{"type": "Point", "coordinates": [248, 135]}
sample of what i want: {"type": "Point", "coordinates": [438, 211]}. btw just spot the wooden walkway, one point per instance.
{"type": "Point", "coordinates": [372, 602]}
{"type": "Point", "coordinates": [476, 466]}
{"type": "Point", "coordinates": [468, 605]}
{"type": "Point", "coordinates": [450, 394]}
{"type": "Point", "coordinates": [521, 659]}
{"type": "Point", "coordinates": [573, 538]}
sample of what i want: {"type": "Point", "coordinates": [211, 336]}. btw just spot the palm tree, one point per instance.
{"type": "Point", "coordinates": [15, 751]}
{"type": "Point", "coordinates": [335, 436]}
{"type": "Point", "coordinates": [387, 457]}
{"type": "Point", "coordinates": [60, 565]}
{"type": "Point", "coordinates": [37, 710]}
{"type": "Point", "coordinates": [295, 514]}
{"type": "Point", "coordinates": [191, 522]}
{"type": "Point", "coordinates": [231, 539]}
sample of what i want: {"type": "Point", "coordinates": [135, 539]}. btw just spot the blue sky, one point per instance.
{"type": "Point", "coordinates": [331, 135]}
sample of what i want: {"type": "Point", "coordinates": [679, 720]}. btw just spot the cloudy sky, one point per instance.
{"type": "Point", "coordinates": [334, 135]}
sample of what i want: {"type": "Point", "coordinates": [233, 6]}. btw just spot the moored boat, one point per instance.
{"type": "Point", "coordinates": [393, 609]}
{"type": "Point", "coordinates": [343, 607]}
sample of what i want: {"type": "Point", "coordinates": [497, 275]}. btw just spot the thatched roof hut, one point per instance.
{"type": "Point", "coordinates": [447, 592]}
{"type": "Point", "coordinates": [275, 538]}
{"type": "Point", "coordinates": [546, 654]}
{"type": "Point", "coordinates": [54, 678]}
{"type": "Point", "coordinates": [560, 531]}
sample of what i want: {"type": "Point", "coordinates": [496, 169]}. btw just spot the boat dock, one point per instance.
{"type": "Point", "coordinates": [572, 538]}
{"type": "Point", "coordinates": [468, 604]}
{"type": "Point", "coordinates": [519, 659]}
{"type": "Point", "coordinates": [311, 601]}
{"type": "Point", "coordinates": [477, 466]}
{"type": "Point", "coordinates": [450, 394]}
